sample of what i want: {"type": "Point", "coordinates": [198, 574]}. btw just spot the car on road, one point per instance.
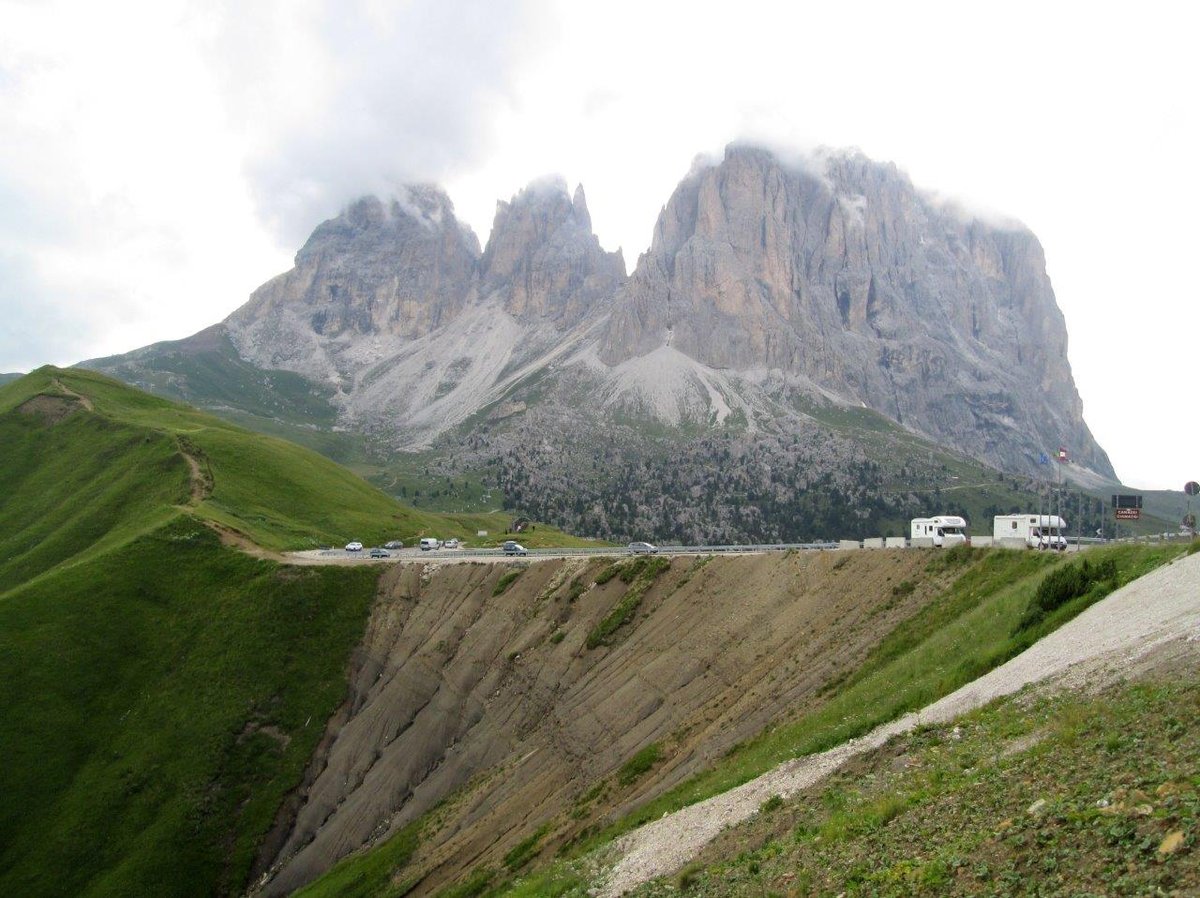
{"type": "Point", "coordinates": [451, 544]}
{"type": "Point", "coordinates": [512, 547]}
{"type": "Point", "coordinates": [380, 553]}
{"type": "Point", "coordinates": [429, 543]}
{"type": "Point", "coordinates": [354, 546]}
{"type": "Point", "coordinates": [643, 549]}
{"type": "Point", "coordinates": [394, 544]}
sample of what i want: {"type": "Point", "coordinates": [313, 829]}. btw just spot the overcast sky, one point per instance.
{"type": "Point", "coordinates": [160, 160]}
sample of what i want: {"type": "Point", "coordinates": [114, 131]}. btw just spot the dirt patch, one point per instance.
{"type": "Point", "coordinates": [237, 540]}
{"type": "Point", "coordinates": [497, 700]}
{"type": "Point", "coordinates": [49, 408]}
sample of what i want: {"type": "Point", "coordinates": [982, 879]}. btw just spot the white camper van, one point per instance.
{"type": "Point", "coordinates": [944, 530]}
{"type": "Point", "coordinates": [430, 542]}
{"type": "Point", "coordinates": [1037, 531]}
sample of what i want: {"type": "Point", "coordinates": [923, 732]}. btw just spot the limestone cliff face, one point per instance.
{"type": "Point", "coordinates": [543, 259]}
{"type": "Point", "coordinates": [401, 269]}
{"type": "Point", "coordinates": [770, 283]}
{"type": "Point", "coordinates": [837, 271]}
{"type": "Point", "coordinates": [393, 305]}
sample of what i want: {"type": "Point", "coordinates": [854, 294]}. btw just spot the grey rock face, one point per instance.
{"type": "Point", "coordinates": [544, 261]}
{"type": "Point", "coordinates": [769, 284]}
{"type": "Point", "coordinates": [839, 272]}
{"type": "Point", "coordinates": [399, 269]}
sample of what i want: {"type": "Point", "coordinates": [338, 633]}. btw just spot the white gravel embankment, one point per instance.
{"type": "Point", "coordinates": [1160, 607]}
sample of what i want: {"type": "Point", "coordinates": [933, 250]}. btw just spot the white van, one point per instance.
{"type": "Point", "coordinates": [430, 542]}
{"type": "Point", "coordinates": [1037, 531]}
{"type": "Point", "coordinates": [944, 530]}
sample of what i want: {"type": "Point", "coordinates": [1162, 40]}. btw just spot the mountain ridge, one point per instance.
{"type": "Point", "coordinates": [772, 287]}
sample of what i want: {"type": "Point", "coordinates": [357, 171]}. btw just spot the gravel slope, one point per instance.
{"type": "Point", "coordinates": [1158, 608]}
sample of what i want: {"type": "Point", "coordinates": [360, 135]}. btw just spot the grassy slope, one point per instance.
{"type": "Point", "coordinates": [168, 692]}
{"type": "Point", "coordinates": [277, 493]}
{"type": "Point", "coordinates": [160, 693]}
{"type": "Point", "coordinates": [1118, 774]}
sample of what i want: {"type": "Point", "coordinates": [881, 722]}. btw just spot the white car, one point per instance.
{"type": "Point", "coordinates": [643, 549]}
{"type": "Point", "coordinates": [354, 546]}
{"type": "Point", "coordinates": [451, 544]}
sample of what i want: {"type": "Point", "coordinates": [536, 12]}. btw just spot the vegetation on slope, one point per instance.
{"type": "Point", "coordinates": [161, 693]}
{"type": "Point", "coordinates": [278, 494]}
{"type": "Point", "coordinates": [1070, 795]}
{"type": "Point", "coordinates": [168, 693]}
{"type": "Point", "coordinates": [967, 630]}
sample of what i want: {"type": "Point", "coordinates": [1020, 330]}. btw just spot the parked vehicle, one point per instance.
{"type": "Point", "coordinates": [945, 530]}
{"type": "Point", "coordinates": [643, 549]}
{"type": "Point", "coordinates": [511, 547]}
{"type": "Point", "coordinates": [1044, 531]}
{"type": "Point", "coordinates": [380, 553]}
{"type": "Point", "coordinates": [354, 546]}
{"type": "Point", "coordinates": [451, 544]}
{"type": "Point", "coordinates": [430, 542]}
{"type": "Point", "coordinates": [394, 544]}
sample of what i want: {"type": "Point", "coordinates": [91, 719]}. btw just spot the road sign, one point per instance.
{"type": "Point", "coordinates": [1128, 514]}
{"type": "Point", "coordinates": [1191, 487]}
{"type": "Point", "coordinates": [1125, 501]}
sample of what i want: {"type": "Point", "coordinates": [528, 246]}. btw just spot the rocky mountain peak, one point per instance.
{"type": "Point", "coordinates": [399, 267]}
{"type": "Point", "coordinates": [544, 261]}
{"type": "Point", "coordinates": [833, 271]}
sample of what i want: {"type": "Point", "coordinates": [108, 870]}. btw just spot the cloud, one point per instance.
{"type": "Point", "coordinates": [159, 159]}
{"type": "Point", "coordinates": [381, 93]}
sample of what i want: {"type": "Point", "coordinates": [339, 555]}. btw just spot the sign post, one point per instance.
{"type": "Point", "coordinates": [1127, 507]}
{"type": "Point", "coordinates": [1192, 488]}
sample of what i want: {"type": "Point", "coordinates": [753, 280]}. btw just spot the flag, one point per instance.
{"type": "Point", "coordinates": [1062, 454]}
{"type": "Point", "coordinates": [1043, 459]}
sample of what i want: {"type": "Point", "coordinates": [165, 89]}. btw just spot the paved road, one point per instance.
{"type": "Point", "coordinates": [341, 556]}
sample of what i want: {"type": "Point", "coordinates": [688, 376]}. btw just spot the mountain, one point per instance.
{"type": "Point", "coordinates": [840, 276]}
{"type": "Point", "coordinates": [812, 334]}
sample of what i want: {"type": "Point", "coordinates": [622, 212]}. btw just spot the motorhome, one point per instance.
{"type": "Point", "coordinates": [944, 530]}
{"type": "Point", "coordinates": [1037, 531]}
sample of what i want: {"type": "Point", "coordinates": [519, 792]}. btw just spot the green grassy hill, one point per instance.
{"type": "Point", "coordinates": [162, 692]}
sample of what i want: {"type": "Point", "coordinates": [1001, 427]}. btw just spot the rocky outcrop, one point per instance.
{"type": "Point", "coordinates": [544, 261]}
{"type": "Point", "coordinates": [399, 269]}
{"type": "Point", "coordinates": [835, 271]}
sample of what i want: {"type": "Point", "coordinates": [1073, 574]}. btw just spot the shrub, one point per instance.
{"type": "Point", "coordinates": [639, 763]}
{"type": "Point", "coordinates": [641, 573]}
{"type": "Point", "coordinates": [505, 582]}
{"type": "Point", "coordinates": [607, 574]}
{"type": "Point", "coordinates": [1066, 584]}
{"type": "Point", "coordinates": [774, 803]}
{"type": "Point", "coordinates": [525, 850]}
